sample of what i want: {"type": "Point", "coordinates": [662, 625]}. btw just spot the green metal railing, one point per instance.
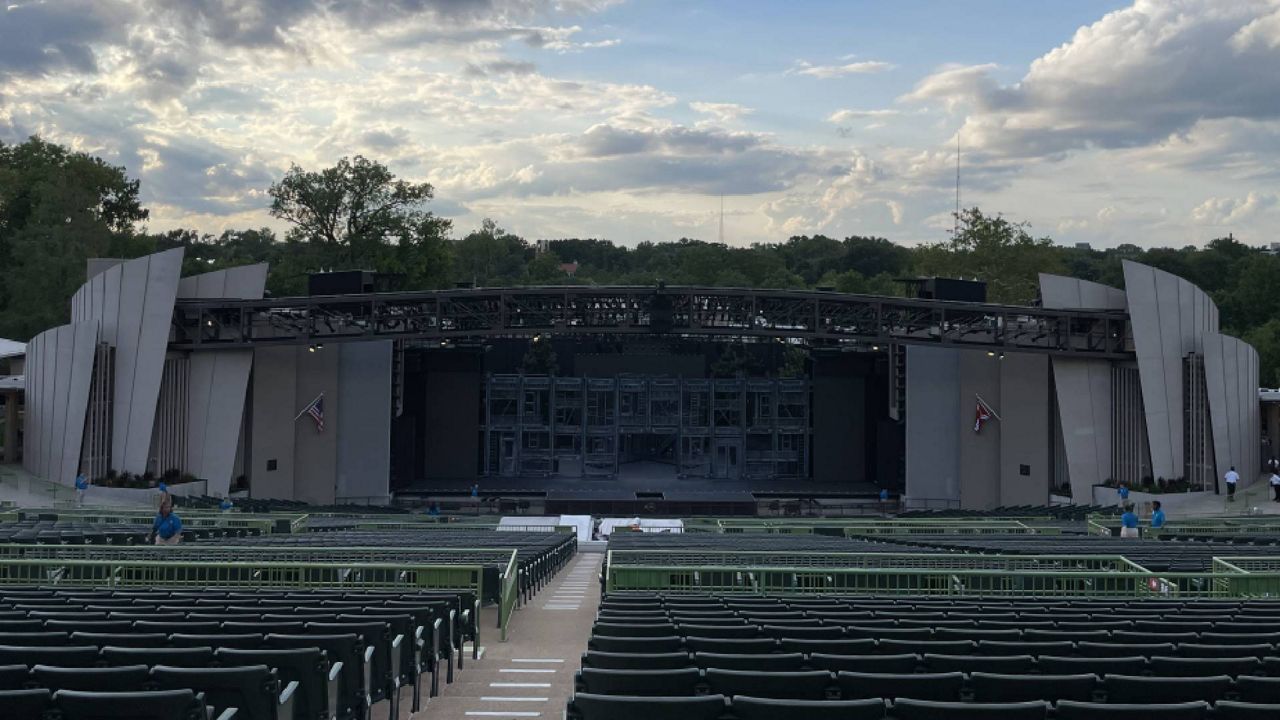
{"type": "Point", "coordinates": [377, 524]}
{"type": "Point", "coordinates": [251, 574]}
{"type": "Point", "coordinates": [264, 523]}
{"type": "Point", "coordinates": [879, 581]}
{"type": "Point", "coordinates": [953, 574]}
{"type": "Point", "coordinates": [895, 561]}
{"type": "Point", "coordinates": [854, 527]}
{"type": "Point", "coordinates": [459, 568]}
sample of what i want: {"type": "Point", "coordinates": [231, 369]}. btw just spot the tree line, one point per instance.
{"type": "Point", "coordinates": [59, 207]}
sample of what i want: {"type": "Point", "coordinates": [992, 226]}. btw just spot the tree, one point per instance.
{"type": "Point", "coordinates": [491, 256]}
{"type": "Point", "coordinates": [356, 210]}
{"type": "Point", "coordinates": [1266, 340]}
{"type": "Point", "coordinates": [58, 208]}
{"type": "Point", "coordinates": [1000, 252]}
{"type": "Point", "coordinates": [544, 269]}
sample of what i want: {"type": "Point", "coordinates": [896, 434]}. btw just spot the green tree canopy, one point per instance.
{"type": "Point", "coordinates": [58, 208]}
{"type": "Point", "coordinates": [357, 210]}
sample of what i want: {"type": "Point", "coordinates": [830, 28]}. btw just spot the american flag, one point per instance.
{"type": "Point", "coordinates": [316, 411]}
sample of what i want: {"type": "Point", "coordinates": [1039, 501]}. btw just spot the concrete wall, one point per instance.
{"type": "Point", "coordinates": [351, 458]}
{"type": "Point", "coordinates": [979, 451]}
{"type": "Point", "coordinates": [1024, 429]}
{"type": "Point", "coordinates": [275, 403]}
{"type": "Point", "coordinates": [1231, 382]}
{"type": "Point", "coordinates": [1083, 387]}
{"type": "Point", "coordinates": [1170, 318]}
{"type": "Point", "coordinates": [364, 426]}
{"type": "Point", "coordinates": [933, 409]}
{"type": "Point", "coordinates": [219, 381]}
{"type": "Point", "coordinates": [132, 303]}
{"type": "Point", "coordinates": [1084, 407]}
{"type": "Point", "coordinates": [1059, 292]}
{"type": "Point", "coordinates": [949, 463]}
{"type": "Point", "coordinates": [59, 368]}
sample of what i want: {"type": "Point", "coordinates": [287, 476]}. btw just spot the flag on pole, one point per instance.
{"type": "Point", "coordinates": [981, 415]}
{"type": "Point", "coordinates": [316, 411]}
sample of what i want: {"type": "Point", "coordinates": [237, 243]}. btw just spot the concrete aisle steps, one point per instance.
{"type": "Point", "coordinates": [530, 676]}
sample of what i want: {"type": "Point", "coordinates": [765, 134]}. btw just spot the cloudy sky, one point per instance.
{"type": "Point", "coordinates": [1155, 122]}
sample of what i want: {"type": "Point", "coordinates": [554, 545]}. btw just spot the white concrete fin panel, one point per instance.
{"type": "Point", "coordinates": [1231, 378]}
{"type": "Point", "coordinates": [148, 287]}
{"type": "Point", "coordinates": [1084, 404]}
{"type": "Point", "coordinates": [219, 381]}
{"type": "Point", "coordinates": [1083, 387]}
{"type": "Point", "coordinates": [60, 367]}
{"type": "Point", "coordinates": [1058, 292]}
{"type": "Point", "coordinates": [1170, 318]}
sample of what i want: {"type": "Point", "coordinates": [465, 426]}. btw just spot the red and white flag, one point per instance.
{"type": "Point", "coordinates": [981, 415]}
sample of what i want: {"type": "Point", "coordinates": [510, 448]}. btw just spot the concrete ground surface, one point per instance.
{"type": "Point", "coordinates": [530, 675]}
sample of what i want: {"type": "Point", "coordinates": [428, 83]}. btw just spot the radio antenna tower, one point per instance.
{"type": "Point", "coordinates": [721, 218]}
{"type": "Point", "coordinates": [955, 227]}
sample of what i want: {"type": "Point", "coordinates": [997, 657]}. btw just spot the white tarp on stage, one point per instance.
{"type": "Point", "coordinates": [658, 525]}
{"type": "Point", "coordinates": [520, 523]}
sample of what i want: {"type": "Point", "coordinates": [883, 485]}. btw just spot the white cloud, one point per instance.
{"type": "Point", "coordinates": [827, 72]}
{"type": "Point", "coordinates": [842, 117]}
{"type": "Point", "coordinates": [1133, 78]}
{"type": "Point", "coordinates": [721, 112]}
{"type": "Point", "coordinates": [1229, 211]}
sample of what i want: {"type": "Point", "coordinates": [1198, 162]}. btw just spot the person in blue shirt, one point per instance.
{"type": "Point", "coordinates": [1129, 523]}
{"type": "Point", "coordinates": [225, 505]}
{"type": "Point", "coordinates": [1123, 491]}
{"type": "Point", "coordinates": [434, 510]}
{"type": "Point", "coordinates": [1157, 515]}
{"type": "Point", "coordinates": [82, 486]}
{"type": "Point", "coordinates": [167, 527]}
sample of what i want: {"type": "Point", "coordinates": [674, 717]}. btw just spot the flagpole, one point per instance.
{"type": "Point", "coordinates": [313, 402]}
{"type": "Point", "coordinates": [994, 414]}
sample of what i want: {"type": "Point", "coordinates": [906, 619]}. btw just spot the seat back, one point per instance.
{"type": "Point", "coordinates": [636, 661]}
{"type": "Point", "coordinates": [902, 663]}
{"type": "Point", "coordinates": [1069, 710]}
{"type": "Point", "coordinates": [1000, 688]}
{"type": "Point", "coordinates": [153, 705]}
{"type": "Point", "coordinates": [70, 656]}
{"type": "Point", "coordinates": [1054, 665]}
{"type": "Point", "coordinates": [346, 649]}
{"type": "Point", "coordinates": [25, 704]}
{"type": "Point", "coordinates": [929, 710]}
{"type": "Point", "coordinates": [1230, 710]}
{"type": "Point", "coordinates": [112, 679]}
{"type": "Point", "coordinates": [757, 662]}
{"type": "Point", "coordinates": [306, 666]}
{"type": "Point", "coordinates": [253, 690]}
{"type": "Point", "coordinates": [805, 685]}
{"type": "Point", "coordinates": [1128, 689]}
{"type": "Point", "coordinates": [226, 640]}
{"type": "Point", "coordinates": [674, 683]}
{"type": "Point", "coordinates": [590, 706]}
{"type": "Point", "coordinates": [751, 708]}
{"type": "Point", "coordinates": [119, 639]}
{"type": "Point", "coordinates": [1256, 689]}
{"type": "Point", "coordinates": [192, 657]}
{"type": "Point", "coordinates": [941, 687]}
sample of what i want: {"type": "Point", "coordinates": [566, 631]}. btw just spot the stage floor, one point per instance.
{"type": "Point", "coordinates": [637, 483]}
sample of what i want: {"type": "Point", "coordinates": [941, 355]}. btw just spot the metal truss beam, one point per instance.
{"type": "Point", "coordinates": [809, 316]}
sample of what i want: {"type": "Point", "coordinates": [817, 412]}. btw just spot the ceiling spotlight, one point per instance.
{"type": "Point", "coordinates": [991, 353]}
{"type": "Point", "coordinates": [875, 348]}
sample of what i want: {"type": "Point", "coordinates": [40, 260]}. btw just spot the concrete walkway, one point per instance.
{"type": "Point", "coordinates": [530, 675]}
